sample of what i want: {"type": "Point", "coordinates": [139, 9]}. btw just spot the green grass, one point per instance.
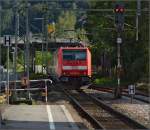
{"type": "Point", "coordinates": [105, 82]}
{"type": "Point", "coordinates": [109, 82]}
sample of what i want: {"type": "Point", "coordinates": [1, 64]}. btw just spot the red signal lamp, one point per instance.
{"type": "Point", "coordinates": [116, 10]}
{"type": "Point", "coordinates": [119, 10]}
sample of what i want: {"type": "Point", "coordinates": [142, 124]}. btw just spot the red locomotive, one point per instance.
{"type": "Point", "coordinates": [72, 64]}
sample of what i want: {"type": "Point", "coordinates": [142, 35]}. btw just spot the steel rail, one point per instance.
{"type": "Point", "coordinates": [117, 113]}
{"type": "Point", "coordinates": [84, 112]}
{"type": "Point", "coordinates": [137, 98]}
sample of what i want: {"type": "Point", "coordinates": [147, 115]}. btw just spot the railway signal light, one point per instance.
{"type": "Point", "coordinates": [119, 9]}
{"type": "Point", "coordinates": [119, 16]}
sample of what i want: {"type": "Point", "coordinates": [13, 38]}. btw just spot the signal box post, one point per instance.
{"type": "Point", "coordinates": [119, 24]}
{"type": "Point", "coordinates": [131, 91]}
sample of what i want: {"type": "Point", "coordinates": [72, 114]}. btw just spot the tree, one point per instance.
{"type": "Point", "coordinates": [134, 54]}
{"type": "Point", "coordinates": [66, 21]}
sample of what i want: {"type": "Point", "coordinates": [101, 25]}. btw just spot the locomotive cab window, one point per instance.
{"type": "Point", "coordinates": [74, 54]}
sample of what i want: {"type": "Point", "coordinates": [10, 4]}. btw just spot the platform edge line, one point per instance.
{"type": "Point", "coordinates": [50, 118]}
{"type": "Point", "coordinates": [69, 117]}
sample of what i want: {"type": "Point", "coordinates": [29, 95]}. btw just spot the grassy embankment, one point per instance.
{"type": "Point", "coordinates": [111, 82]}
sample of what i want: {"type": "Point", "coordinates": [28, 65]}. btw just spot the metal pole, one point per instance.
{"type": "Point", "coordinates": [42, 43]}
{"type": "Point", "coordinates": [118, 68]}
{"type": "Point", "coordinates": [46, 94]}
{"type": "Point", "coordinates": [27, 41]}
{"type": "Point", "coordinates": [46, 33]}
{"type": "Point", "coordinates": [8, 74]}
{"type": "Point", "coordinates": [27, 45]}
{"type": "Point", "coordinates": [13, 53]}
{"type": "Point", "coordinates": [0, 48]}
{"type": "Point", "coordinates": [27, 36]}
{"type": "Point", "coordinates": [138, 13]}
{"type": "Point", "coordinates": [16, 41]}
{"type": "Point", "coordinates": [18, 24]}
{"type": "Point", "coordinates": [131, 98]}
{"type": "Point", "coordinates": [46, 30]}
{"type": "Point", "coordinates": [137, 27]}
{"type": "Point", "coordinates": [118, 89]}
{"type": "Point", "coordinates": [32, 57]}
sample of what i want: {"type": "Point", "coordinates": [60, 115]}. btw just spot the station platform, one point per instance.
{"type": "Point", "coordinates": [39, 117]}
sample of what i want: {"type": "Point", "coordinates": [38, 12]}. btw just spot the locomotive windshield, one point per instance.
{"type": "Point", "coordinates": [74, 54]}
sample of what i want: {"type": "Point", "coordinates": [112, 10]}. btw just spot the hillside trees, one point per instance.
{"type": "Point", "coordinates": [134, 54]}
{"type": "Point", "coordinates": [100, 29]}
{"type": "Point", "coordinates": [66, 21]}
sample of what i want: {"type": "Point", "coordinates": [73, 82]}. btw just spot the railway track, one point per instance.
{"type": "Point", "coordinates": [99, 114]}
{"type": "Point", "coordinates": [138, 96]}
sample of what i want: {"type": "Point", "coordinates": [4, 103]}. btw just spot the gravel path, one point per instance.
{"type": "Point", "coordinates": [138, 112]}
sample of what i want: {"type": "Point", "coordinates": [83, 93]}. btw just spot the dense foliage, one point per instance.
{"type": "Point", "coordinates": [99, 25]}
{"type": "Point", "coordinates": [134, 54]}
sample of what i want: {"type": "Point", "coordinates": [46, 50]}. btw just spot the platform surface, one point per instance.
{"type": "Point", "coordinates": [39, 117]}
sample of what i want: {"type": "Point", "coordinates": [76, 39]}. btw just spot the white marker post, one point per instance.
{"type": "Point", "coordinates": [131, 90]}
